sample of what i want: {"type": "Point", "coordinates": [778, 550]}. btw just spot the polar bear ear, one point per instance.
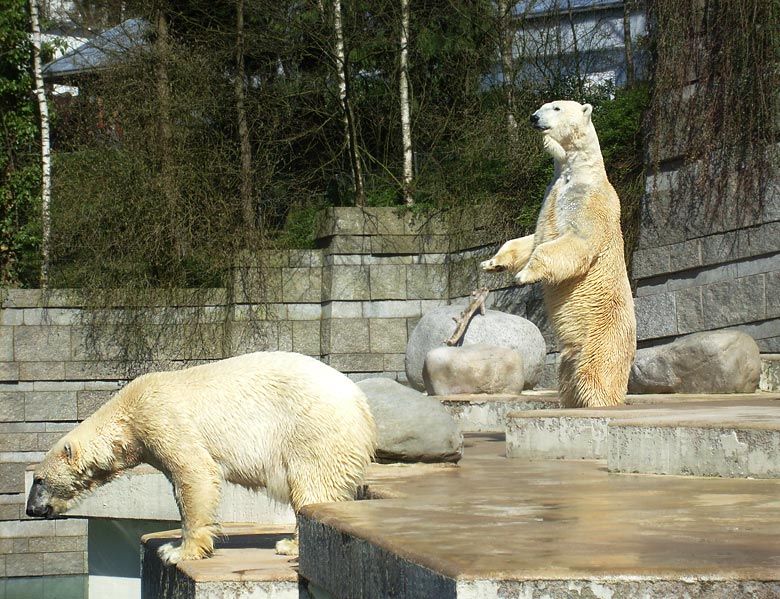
{"type": "Point", "coordinates": [587, 109]}
{"type": "Point", "coordinates": [70, 450]}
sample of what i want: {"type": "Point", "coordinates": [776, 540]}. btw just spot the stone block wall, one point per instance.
{"type": "Point", "coordinates": [706, 262]}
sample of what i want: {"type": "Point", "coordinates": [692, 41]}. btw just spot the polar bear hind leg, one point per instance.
{"type": "Point", "coordinates": [599, 378]}
{"type": "Point", "coordinates": [310, 484]}
{"type": "Point", "coordinates": [567, 378]}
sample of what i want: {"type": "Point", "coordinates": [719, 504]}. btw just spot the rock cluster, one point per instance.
{"type": "Point", "coordinates": [493, 328]}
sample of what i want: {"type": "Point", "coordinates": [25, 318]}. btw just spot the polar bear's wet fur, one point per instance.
{"type": "Point", "coordinates": [577, 254]}
{"type": "Point", "coordinates": [280, 421]}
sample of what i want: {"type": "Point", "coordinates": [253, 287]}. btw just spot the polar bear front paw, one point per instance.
{"type": "Point", "coordinates": [526, 276]}
{"type": "Point", "coordinates": [173, 553]}
{"type": "Point", "coordinates": [169, 554]}
{"type": "Point", "coordinates": [287, 547]}
{"type": "Point", "coordinates": [492, 266]}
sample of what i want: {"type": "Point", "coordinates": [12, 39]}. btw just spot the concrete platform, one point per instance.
{"type": "Point", "coordinates": [498, 527]}
{"type": "Point", "coordinates": [244, 565]}
{"type": "Point", "coordinates": [586, 433]}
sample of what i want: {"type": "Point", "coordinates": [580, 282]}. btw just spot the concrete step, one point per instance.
{"type": "Point", "coordinates": [730, 441]}
{"type": "Point", "coordinates": [243, 565]}
{"type": "Point", "coordinates": [487, 413]}
{"type": "Point", "coordinates": [732, 436]}
{"type": "Point", "coordinates": [770, 373]}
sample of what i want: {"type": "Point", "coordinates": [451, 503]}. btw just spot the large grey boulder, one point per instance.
{"type": "Point", "coordinates": [494, 328]}
{"type": "Point", "coordinates": [411, 427]}
{"type": "Point", "coordinates": [478, 368]}
{"type": "Point", "coordinates": [711, 362]}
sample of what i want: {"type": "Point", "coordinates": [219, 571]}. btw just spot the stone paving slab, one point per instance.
{"type": "Point", "coordinates": [553, 529]}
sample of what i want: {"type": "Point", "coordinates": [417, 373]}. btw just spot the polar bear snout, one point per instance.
{"type": "Point", "coordinates": [536, 122]}
{"type": "Point", "coordinates": [39, 501]}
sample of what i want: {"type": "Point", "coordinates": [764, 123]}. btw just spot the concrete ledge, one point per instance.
{"type": "Point", "coordinates": [144, 493]}
{"type": "Point", "coordinates": [742, 443]}
{"type": "Point", "coordinates": [585, 433]}
{"type": "Point", "coordinates": [244, 564]}
{"type": "Point", "coordinates": [487, 413]}
{"type": "Point", "coordinates": [609, 588]}
{"type": "Point", "coordinates": [556, 436]}
{"type": "Point", "coordinates": [350, 567]}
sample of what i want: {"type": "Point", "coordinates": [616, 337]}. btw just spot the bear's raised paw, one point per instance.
{"type": "Point", "coordinates": [492, 266]}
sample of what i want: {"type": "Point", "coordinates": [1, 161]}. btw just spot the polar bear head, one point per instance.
{"type": "Point", "coordinates": [78, 463]}
{"type": "Point", "coordinates": [564, 124]}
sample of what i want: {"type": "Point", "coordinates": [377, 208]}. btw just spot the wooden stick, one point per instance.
{"type": "Point", "coordinates": [478, 297]}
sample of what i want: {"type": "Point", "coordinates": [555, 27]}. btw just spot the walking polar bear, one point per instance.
{"type": "Point", "coordinates": [577, 254]}
{"type": "Point", "coordinates": [278, 420]}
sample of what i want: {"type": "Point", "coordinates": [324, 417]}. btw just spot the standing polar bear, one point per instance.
{"type": "Point", "coordinates": [577, 253]}
{"type": "Point", "coordinates": [278, 420]}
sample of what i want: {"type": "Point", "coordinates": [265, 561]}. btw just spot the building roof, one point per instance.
{"type": "Point", "coordinates": [97, 53]}
{"type": "Point", "coordinates": [538, 8]}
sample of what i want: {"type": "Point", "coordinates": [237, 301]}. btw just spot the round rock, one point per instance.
{"type": "Point", "coordinates": [478, 368]}
{"type": "Point", "coordinates": [711, 362]}
{"type": "Point", "coordinates": [411, 427]}
{"type": "Point", "coordinates": [493, 328]}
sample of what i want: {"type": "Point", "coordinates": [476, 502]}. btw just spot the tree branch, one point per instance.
{"type": "Point", "coordinates": [478, 297]}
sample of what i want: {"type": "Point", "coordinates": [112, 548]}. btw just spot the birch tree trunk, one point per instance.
{"type": "Point", "coordinates": [245, 148]}
{"type": "Point", "coordinates": [43, 110]}
{"type": "Point", "coordinates": [629, 49]}
{"type": "Point", "coordinates": [350, 128]}
{"type": "Point", "coordinates": [406, 127]}
{"type": "Point", "coordinates": [505, 37]}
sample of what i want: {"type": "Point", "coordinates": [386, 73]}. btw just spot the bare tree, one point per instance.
{"type": "Point", "coordinates": [43, 110]}
{"type": "Point", "coordinates": [505, 37]}
{"type": "Point", "coordinates": [245, 148]}
{"type": "Point", "coordinates": [169, 186]}
{"type": "Point", "coordinates": [629, 49]}
{"type": "Point", "coordinates": [578, 79]}
{"type": "Point", "coordinates": [406, 126]}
